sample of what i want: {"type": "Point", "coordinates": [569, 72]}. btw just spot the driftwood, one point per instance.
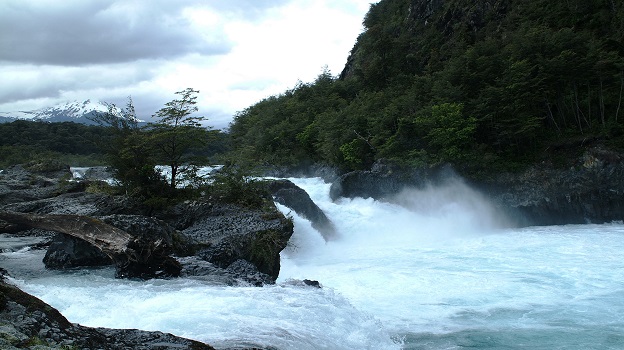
{"type": "Point", "coordinates": [133, 257]}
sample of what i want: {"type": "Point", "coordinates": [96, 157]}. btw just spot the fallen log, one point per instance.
{"type": "Point", "coordinates": [134, 257]}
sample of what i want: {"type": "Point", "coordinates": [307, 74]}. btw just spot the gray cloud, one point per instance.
{"type": "Point", "coordinates": [249, 9]}
{"type": "Point", "coordinates": [94, 32]}
{"type": "Point", "coordinates": [72, 50]}
{"type": "Point", "coordinates": [32, 82]}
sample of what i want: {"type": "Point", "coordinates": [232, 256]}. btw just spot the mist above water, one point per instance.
{"type": "Point", "coordinates": [441, 266]}
{"type": "Point", "coordinates": [428, 215]}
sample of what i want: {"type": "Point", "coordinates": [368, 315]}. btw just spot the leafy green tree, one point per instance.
{"type": "Point", "coordinates": [449, 134]}
{"type": "Point", "coordinates": [177, 133]}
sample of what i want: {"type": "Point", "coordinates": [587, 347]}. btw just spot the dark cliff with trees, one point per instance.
{"type": "Point", "coordinates": [484, 85]}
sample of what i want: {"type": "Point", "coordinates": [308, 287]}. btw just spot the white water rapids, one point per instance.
{"type": "Point", "coordinates": [434, 270]}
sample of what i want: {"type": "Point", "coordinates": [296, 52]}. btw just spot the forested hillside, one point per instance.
{"type": "Point", "coordinates": [75, 144]}
{"type": "Point", "coordinates": [22, 141]}
{"type": "Point", "coordinates": [482, 84]}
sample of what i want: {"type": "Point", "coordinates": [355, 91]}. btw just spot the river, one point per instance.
{"type": "Point", "coordinates": [435, 268]}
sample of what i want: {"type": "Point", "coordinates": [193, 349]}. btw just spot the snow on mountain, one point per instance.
{"type": "Point", "coordinates": [71, 111]}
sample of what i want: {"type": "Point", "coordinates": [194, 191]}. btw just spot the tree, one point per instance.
{"type": "Point", "coordinates": [448, 133]}
{"type": "Point", "coordinates": [129, 153]}
{"type": "Point", "coordinates": [177, 133]}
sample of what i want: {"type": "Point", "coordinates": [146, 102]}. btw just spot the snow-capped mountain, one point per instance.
{"type": "Point", "coordinates": [71, 111]}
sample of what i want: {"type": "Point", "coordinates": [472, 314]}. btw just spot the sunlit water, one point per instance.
{"type": "Point", "coordinates": [434, 269]}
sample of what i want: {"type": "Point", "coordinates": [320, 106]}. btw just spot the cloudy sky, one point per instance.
{"type": "Point", "coordinates": [235, 52]}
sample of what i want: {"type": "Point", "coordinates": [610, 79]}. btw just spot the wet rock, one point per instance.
{"type": "Point", "coordinates": [592, 190]}
{"type": "Point", "coordinates": [194, 267]}
{"type": "Point", "coordinates": [226, 233]}
{"type": "Point", "coordinates": [248, 273]}
{"type": "Point", "coordinates": [28, 322]}
{"type": "Point", "coordinates": [385, 180]}
{"type": "Point", "coordinates": [290, 195]}
{"type": "Point", "coordinates": [312, 283]}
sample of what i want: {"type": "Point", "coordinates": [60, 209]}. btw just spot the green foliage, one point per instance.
{"type": "Point", "coordinates": [449, 80]}
{"type": "Point", "coordinates": [447, 131]}
{"type": "Point", "coordinates": [264, 249]}
{"type": "Point", "coordinates": [234, 185]}
{"type": "Point", "coordinates": [130, 155]}
{"type": "Point", "coordinates": [22, 141]}
{"type": "Point", "coordinates": [176, 140]}
{"type": "Point", "coordinates": [353, 153]}
{"type": "Point", "coordinates": [35, 341]}
{"type": "Point", "coordinates": [101, 187]}
{"type": "Point", "coordinates": [177, 133]}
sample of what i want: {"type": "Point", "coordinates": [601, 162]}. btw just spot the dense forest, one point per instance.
{"type": "Point", "coordinates": [22, 141]}
{"type": "Point", "coordinates": [494, 84]}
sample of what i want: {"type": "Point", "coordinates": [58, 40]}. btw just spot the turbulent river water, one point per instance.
{"type": "Point", "coordinates": [435, 268]}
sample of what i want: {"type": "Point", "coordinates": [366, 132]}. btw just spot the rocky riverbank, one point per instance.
{"type": "Point", "coordinates": [214, 232]}
{"type": "Point", "coordinates": [588, 190]}
{"type": "Point", "coordinates": [219, 242]}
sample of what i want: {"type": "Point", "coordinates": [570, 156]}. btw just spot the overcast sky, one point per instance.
{"type": "Point", "coordinates": [235, 52]}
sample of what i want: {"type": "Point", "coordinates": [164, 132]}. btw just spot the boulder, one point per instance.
{"type": "Point", "coordinates": [226, 233]}
{"type": "Point", "coordinates": [385, 180]}
{"type": "Point", "coordinates": [290, 195]}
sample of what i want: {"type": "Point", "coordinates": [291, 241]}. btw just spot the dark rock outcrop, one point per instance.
{"type": "Point", "coordinates": [21, 183]}
{"type": "Point", "coordinates": [290, 195]}
{"type": "Point", "coordinates": [239, 273]}
{"type": "Point", "coordinates": [385, 180]}
{"type": "Point", "coordinates": [67, 252]}
{"type": "Point", "coordinates": [591, 190]}
{"type": "Point", "coordinates": [226, 233]}
{"type": "Point", "coordinates": [27, 322]}
{"type": "Point", "coordinates": [78, 203]}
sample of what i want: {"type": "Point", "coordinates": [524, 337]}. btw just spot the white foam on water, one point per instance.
{"type": "Point", "coordinates": [442, 262]}
{"type": "Point", "coordinates": [285, 316]}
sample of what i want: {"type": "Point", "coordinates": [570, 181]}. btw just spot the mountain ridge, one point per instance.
{"type": "Point", "coordinates": [76, 111]}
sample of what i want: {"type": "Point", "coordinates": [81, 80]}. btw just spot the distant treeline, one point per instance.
{"type": "Point", "coordinates": [22, 141]}
{"type": "Point", "coordinates": [480, 84]}
{"type": "Point", "coordinates": [76, 144]}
